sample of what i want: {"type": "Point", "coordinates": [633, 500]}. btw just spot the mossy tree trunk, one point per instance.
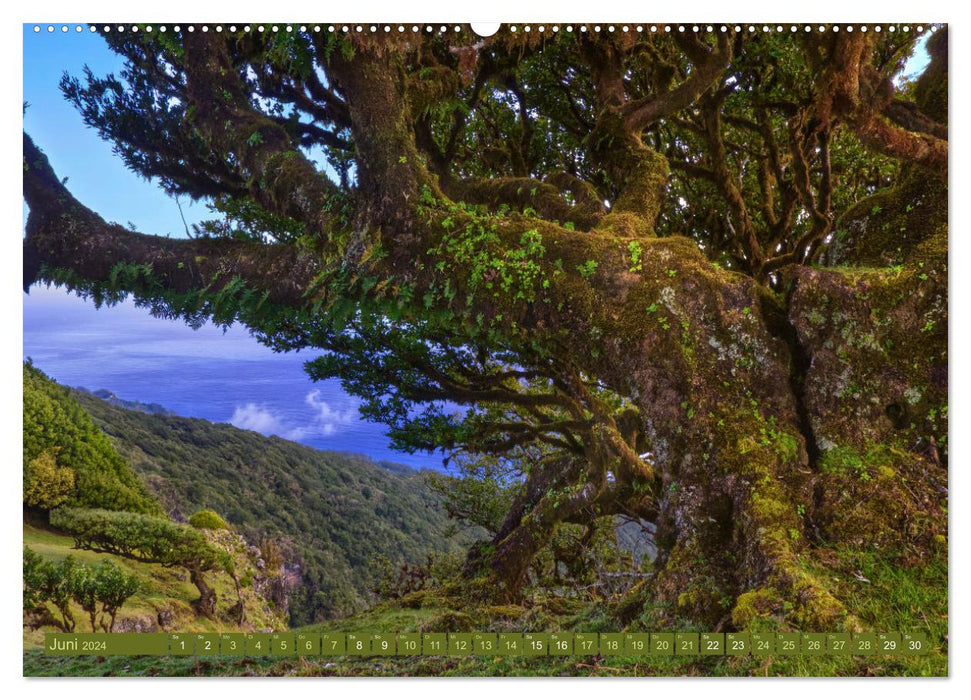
{"type": "Point", "coordinates": [206, 604]}
{"type": "Point", "coordinates": [240, 607]}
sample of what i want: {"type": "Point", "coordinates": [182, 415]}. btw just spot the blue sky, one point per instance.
{"type": "Point", "coordinates": [96, 176]}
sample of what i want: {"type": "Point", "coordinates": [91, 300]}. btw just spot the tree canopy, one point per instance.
{"type": "Point", "coordinates": [698, 278]}
{"type": "Point", "coordinates": [67, 460]}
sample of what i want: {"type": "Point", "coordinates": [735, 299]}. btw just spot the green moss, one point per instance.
{"type": "Point", "coordinates": [817, 608]}
{"type": "Point", "coordinates": [451, 621]}
{"type": "Point", "coordinates": [891, 226]}
{"type": "Point", "coordinates": [510, 612]}
{"type": "Point", "coordinates": [873, 497]}
{"type": "Point", "coordinates": [758, 609]}
{"type": "Point", "coordinates": [846, 460]}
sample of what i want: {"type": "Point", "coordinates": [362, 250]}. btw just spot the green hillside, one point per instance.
{"type": "Point", "coordinates": [334, 513]}
{"type": "Point", "coordinates": [67, 460]}
{"type": "Point", "coordinates": [99, 552]}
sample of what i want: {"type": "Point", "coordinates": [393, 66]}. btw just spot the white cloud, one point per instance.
{"type": "Point", "coordinates": [328, 420]}
{"type": "Point", "coordinates": [254, 417]}
{"type": "Point", "coordinates": [325, 421]}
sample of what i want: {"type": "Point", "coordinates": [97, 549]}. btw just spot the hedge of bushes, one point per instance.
{"type": "Point", "coordinates": [142, 537]}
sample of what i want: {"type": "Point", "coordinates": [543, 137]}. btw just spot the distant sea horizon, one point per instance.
{"type": "Point", "coordinates": [220, 376]}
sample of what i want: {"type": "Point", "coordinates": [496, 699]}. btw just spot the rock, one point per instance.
{"type": "Point", "coordinates": [165, 618]}
{"type": "Point", "coordinates": [135, 624]}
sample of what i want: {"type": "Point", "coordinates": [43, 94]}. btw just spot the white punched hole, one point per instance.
{"type": "Point", "coordinates": [485, 28]}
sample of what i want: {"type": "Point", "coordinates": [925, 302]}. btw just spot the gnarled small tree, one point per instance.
{"type": "Point", "coordinates": [606, 245]}
{"type": "Point", "coordinates": [148, 539]}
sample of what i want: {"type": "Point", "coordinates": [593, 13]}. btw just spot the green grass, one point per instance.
{"type": "Point", "coordinates": [162, 589]}
{"type": "Point", "coordinates": [37, 664]}
{"type": "Point", "coordinates": [881, 593]}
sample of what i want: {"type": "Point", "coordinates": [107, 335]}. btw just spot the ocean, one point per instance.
{"type": "Point", "coordinates": [224, 377]}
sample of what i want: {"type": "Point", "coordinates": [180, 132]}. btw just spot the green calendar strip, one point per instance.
{"type": "Point", "coordinates": [460, 644]}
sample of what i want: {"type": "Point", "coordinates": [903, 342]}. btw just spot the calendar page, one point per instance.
{"type": "Point", "coordinates": [544, 349]}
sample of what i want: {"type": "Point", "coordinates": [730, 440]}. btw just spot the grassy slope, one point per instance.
{"type": "Point", "coordinates": [163, 589]}
{"type": "Point", "coordinates": [338, 510]}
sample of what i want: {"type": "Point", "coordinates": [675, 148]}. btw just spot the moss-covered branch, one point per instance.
{"type": "Point", "coordinates": [64, 234]}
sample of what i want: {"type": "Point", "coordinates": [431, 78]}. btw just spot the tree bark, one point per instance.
{"type": "Point", "coordinates": [207, 597]}
{"type": "Point", "coordinates": [532, 522]}
{"type": "Point", "coordinates": [240, 607]}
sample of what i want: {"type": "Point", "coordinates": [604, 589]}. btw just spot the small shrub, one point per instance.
{"type": "Point", "coordinates": [208, 520]}
{"type": "Point", "coordinates": [46, 483]}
